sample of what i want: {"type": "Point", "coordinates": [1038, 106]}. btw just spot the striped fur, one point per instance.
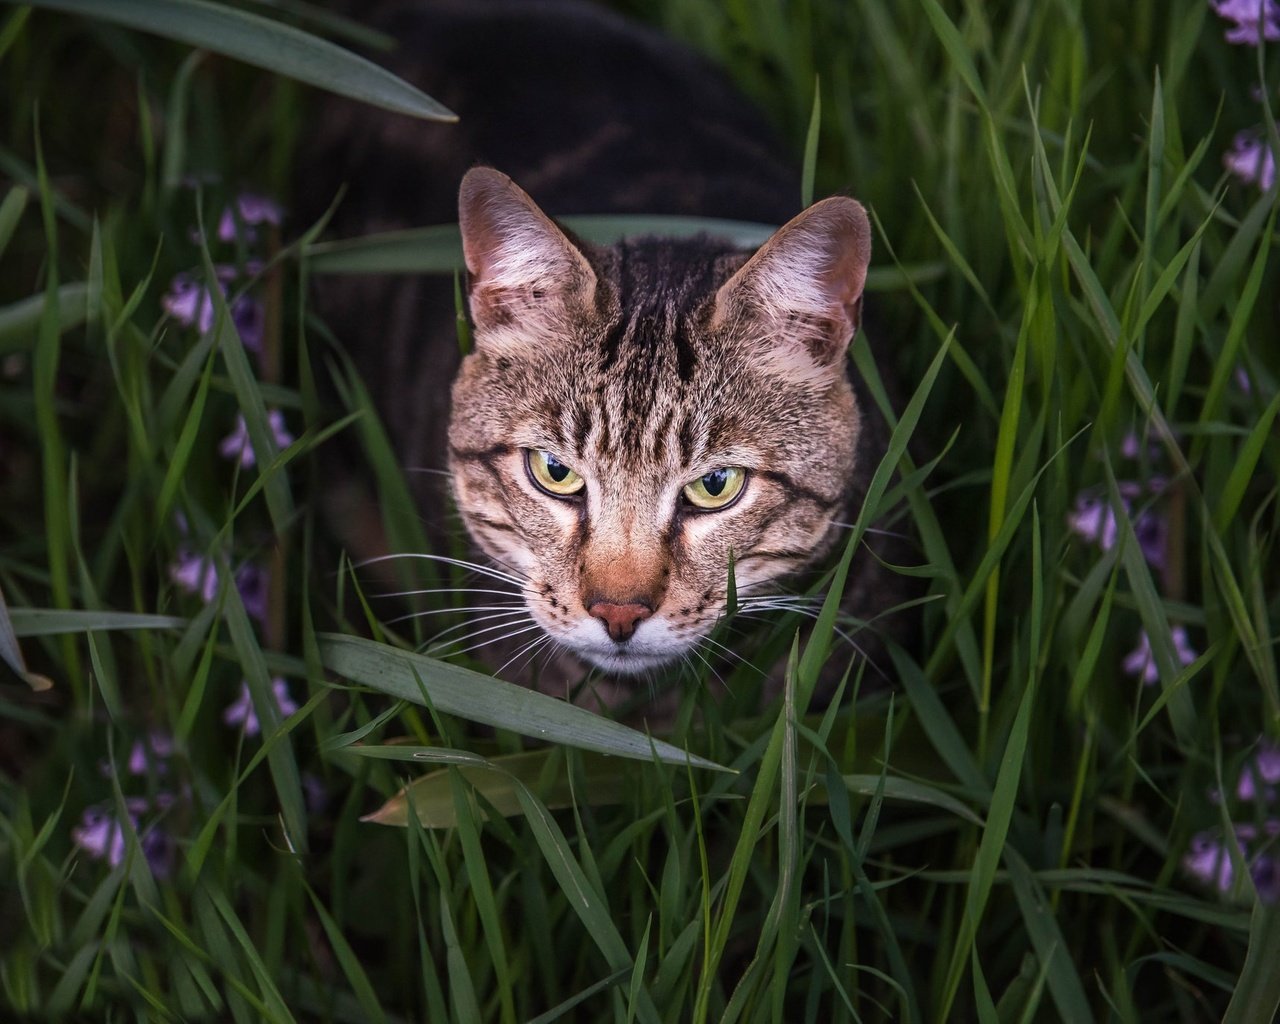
{"type": "Point", "coordinates": [642, 367]}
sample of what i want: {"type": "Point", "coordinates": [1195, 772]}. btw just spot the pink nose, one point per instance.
{"type": "Point", "coordinates": [620, 619]}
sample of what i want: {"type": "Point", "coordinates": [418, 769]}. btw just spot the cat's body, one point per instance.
{"type": "Point", "coordinates": [633, 417]}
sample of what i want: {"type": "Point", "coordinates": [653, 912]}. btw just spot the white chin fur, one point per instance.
{"type": "Point", "coordinates": [651, 647]}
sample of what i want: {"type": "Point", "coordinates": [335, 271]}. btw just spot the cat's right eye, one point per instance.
{"type": "Point", "coordinates": [551, 475]}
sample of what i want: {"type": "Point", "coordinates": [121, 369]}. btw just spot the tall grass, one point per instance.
{"type": "Point", "coordinates": [1009, 825]}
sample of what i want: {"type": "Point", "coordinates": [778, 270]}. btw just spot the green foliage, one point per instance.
{"type": "Point", "coordinates": [996, 828]}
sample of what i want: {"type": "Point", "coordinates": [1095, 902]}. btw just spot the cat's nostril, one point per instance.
{"type": "Point", "coordinates": [619, 619]}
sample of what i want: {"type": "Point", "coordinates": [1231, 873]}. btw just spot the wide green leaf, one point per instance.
{"type": "Point", "coordinates": [264, 43]}
{"type": "Point", "coordinates": [479, 698]}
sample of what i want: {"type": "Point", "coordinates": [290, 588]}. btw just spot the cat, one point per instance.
{"type": "Point", "coordinates": [632, 418]}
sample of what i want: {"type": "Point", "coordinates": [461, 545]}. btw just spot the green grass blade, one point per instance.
{"type": "Point", "coordinates": [280, 49]}
{"type": "Point", "coordinates": [481, 698]}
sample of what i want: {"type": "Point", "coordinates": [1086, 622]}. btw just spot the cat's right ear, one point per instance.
{"type": "Point", "coordinates": [527, 278]}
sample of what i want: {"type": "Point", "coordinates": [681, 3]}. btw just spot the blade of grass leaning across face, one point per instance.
{"type": "Point", "coordinates": [280, 49]}
{"type": "Point", "coordinates": [481, 698]}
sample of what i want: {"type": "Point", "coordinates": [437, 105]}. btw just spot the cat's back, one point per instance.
{"type": "Point", "coordinates": [589, 111]}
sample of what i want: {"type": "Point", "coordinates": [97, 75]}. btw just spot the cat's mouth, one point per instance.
{"type": "Point", "coordinates": [651, 646]}
{"type": "Point", "coordinates": [624, 659]}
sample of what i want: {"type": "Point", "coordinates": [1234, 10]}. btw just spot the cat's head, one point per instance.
{"type": "Point", "coordinates": [634, 417]}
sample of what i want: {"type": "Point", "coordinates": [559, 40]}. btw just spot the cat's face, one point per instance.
{"type": "Point", "coordinates": [635, 418]}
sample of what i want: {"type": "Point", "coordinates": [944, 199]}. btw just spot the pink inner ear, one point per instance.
{"type": "Point", "coordinates": [807, 280]}
{"type": "Point", "coordinates": [509, 242]}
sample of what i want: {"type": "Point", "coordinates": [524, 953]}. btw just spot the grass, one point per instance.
{"type": "Point", "coordinates": [999, 834]}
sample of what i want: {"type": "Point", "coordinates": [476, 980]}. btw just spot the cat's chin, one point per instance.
{"type": "Point", "coordinates": [624, 661]}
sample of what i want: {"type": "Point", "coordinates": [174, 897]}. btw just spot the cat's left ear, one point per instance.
{"type": "Point", "coordinates": [803, 287]}
{"type": "Point", "coordinates": [525, 272]}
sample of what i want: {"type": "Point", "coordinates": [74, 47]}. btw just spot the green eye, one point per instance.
{"type": "Point", "coordinates": [716, 489]}
{"type": "Point", "coordinates": [552, 475]}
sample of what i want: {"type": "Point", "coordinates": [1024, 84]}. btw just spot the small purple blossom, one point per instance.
{"type": "Point", "coordinates": [1153, 537]}
{"type": "Point", "coordinates": [1258, 778]}
{"type": "Point", "coordinates": [1209, 860]}
{"type": "Point", "coordinates": [1141, 660]}
{"type": "Point", "coordinates": [195, 574]}
{"type": "Point", "coordinates": [189, 303]}
{"type": "Point", "coordinates": [1251, 160]}
{"type": "Point", "coordinates": [101, 835]}
{"type": "Point", "coordinates": [250, 319]}
{"type": "Point", "coordinates": [1131, 447]}
{"type": "Point", "coordinates": [1253, 19]}
{"type": "Point", "coordinates": [241, 712]}
{"type": "Point", "coordinates": [147, 757]}
{"type": "Point", "coordinates": [1094, 520]}
{"type": "Point", "coordinates": [1266, 878]}
{"type": "Point", "coordinates": [253, 583]}
{"type": "Point", "coordinates": [252, 209]}
{"type": "Point", "coordinates": [236, 445]}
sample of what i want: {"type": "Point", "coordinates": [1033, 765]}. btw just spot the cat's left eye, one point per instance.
{"type": "Point", "coordinates": [552, 475]}
{"type": "Point", "coordinates": [717, 489]}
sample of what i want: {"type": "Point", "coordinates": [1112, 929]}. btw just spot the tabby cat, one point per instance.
{"type": "Point", "coordinates": [631, 418]}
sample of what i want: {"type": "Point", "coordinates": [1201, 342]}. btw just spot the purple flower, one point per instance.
{"type": "Point", "coordinates": [1253, 19]}
{"type": "Point", "coordinates": [189, 303]}
{"type": "Point", "coordinates": [101, 835]}
{"type": "Point", "coordinates": [149, 756]}
{"type": "Point", "coordinates": [1141, 660]}
{"type": "Point", "coordinates": [253, 583]}
{"type": "Point", "coordinates": [1153, 537]}
{"type": "Point", "coordinates": [253, 209]}
{"type": "Point", "coordinates": [1208, 860]}
{"type": "Point", "coordinates": [236, 445]}
{"type": "Point", "coordinates": [1094, 520]}
{"type": "Point", "coordinates": [250, 321]}
{"type": "Point", "coordinates": [1242, 380]}
{"type": "Point", "coordinates": [240, 711]}
{"type": "Point", "coordinates": [1259, 777]}
{"type": "Point", "coordinates": [1266, 878]}
{"type": "Point", "coordinates": [195, 575]}
{"type": "Point", "coordinates": [1131, 447]}
{"type": "Point", "coordinates": [198, 575]}
{"type": "Point", "coordinates": [1251, 160]}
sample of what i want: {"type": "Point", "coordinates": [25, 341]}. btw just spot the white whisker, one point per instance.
{"type": "Point", "coordinates": [484, 570]}
{"type": "Point", "coordinates": [497, 626]}
{"type": "Point", "coordinates": [491, 640]}
{"type": "Point", "coordinates": [447, 590]}
{"type": "Point", "coordinates": [513, 606]}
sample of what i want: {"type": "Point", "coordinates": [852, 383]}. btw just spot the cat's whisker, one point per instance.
{"type": "Point", "coordinates": [446, 590]}
{"type": "Point", "coordinates": [531, 648]}
{"type": "Point", "coordinates": [513, 606]}
{"type": "Point", "coordinates": [510, 616]}
{"type": "Point", "coordinates": [846, 637]}
{"type": "Point", "coordinates": [459, 563]}
{"type": "Point", "coordinates": [491, 640]}
{"type": "Point", "coordinates": [501, 621]}
{"type": "Point", "coordinates": [871, 529]}
{"type": "Point", "coordinates": [731, 652]}
{"type": "Point", "coordinates": [706, 661]}
{"type": "Point", "coordinates": [428, 469]}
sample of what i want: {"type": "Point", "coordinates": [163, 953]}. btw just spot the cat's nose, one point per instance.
{"type": "Point", "coordinates": [620, 619]}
